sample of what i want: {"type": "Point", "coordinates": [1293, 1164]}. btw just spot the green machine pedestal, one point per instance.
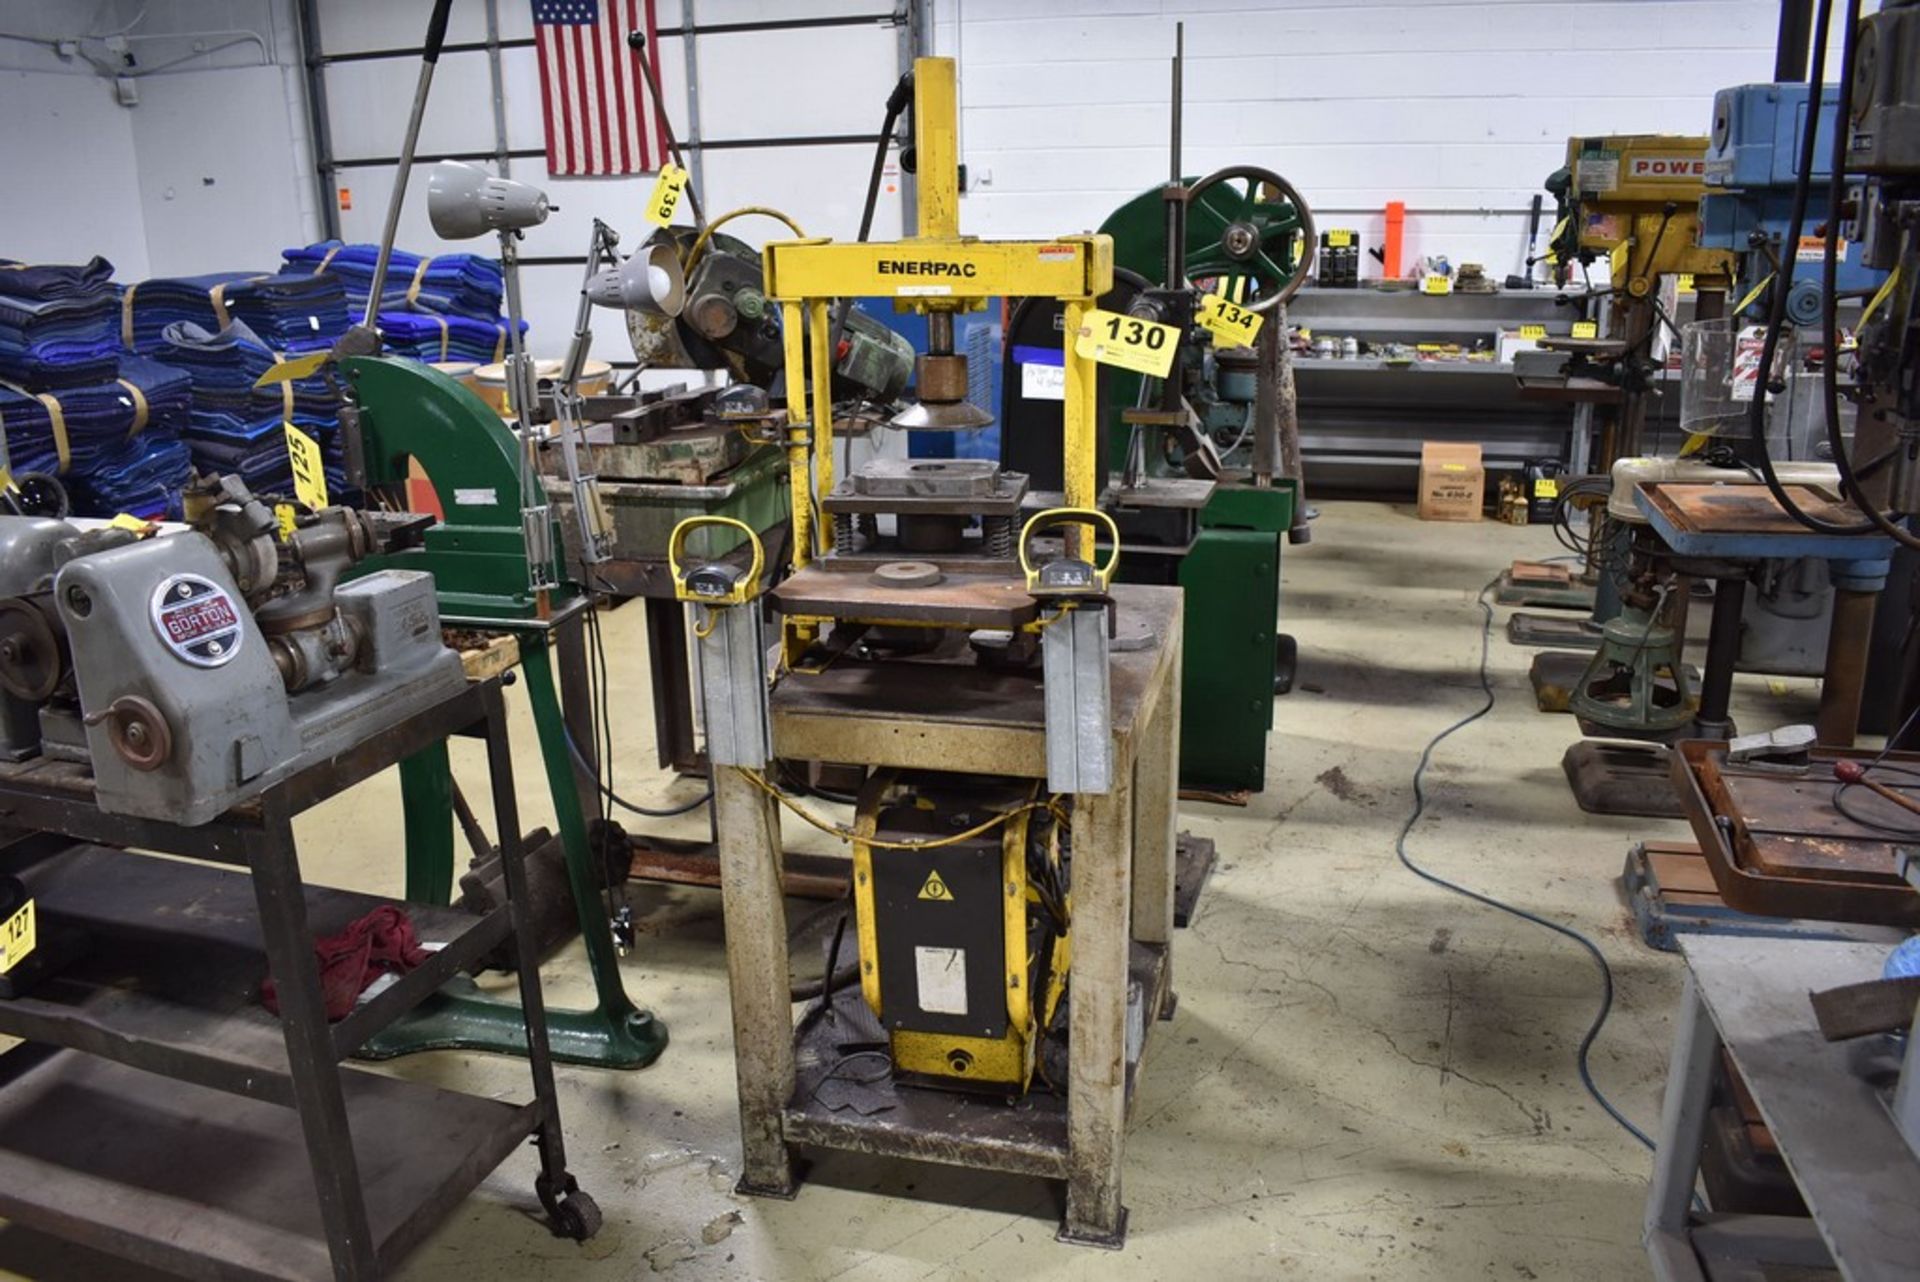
{"type": "Point", "coordinates": [478, 557]}
{"type": "Point", "coordinates": [1231, 578]}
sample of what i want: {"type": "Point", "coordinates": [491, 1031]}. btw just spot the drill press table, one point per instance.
{"type": "Point", "coordinates": [965, 718]}
{"type": "Point", "coordinates": [1732, 526]}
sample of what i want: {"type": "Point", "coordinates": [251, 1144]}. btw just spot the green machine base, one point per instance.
{"type": "Point", "coordinates": [461, 1017]}
{"type": "Point", "coordinates": [1232, 584]}
{"type": "Point", "coordinates": [479, 559]}
{"type": "Point", "coordinates": [1230, 664]}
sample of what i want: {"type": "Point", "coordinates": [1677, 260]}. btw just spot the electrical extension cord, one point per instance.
{"type": "Point", "coordinates": [1568, 932]}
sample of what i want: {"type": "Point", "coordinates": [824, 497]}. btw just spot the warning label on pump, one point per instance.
{"type": "Point", "coordinates": [941, 976]}
{"type": "Point", "coordinates": [934, 888]}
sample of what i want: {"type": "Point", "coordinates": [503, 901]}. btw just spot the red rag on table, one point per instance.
{"type": "Point", "coordinates": [381, 941]}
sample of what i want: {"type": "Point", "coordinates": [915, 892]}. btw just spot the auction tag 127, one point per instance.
{"type": "Point", "coordinates": [1129, 342]}
{"type": "Point", "coordinates": [667, 190]}
{"type": "Point", "coordinates": [1230, 324]}
{"type": "Point", "coordinates": [17, 937]}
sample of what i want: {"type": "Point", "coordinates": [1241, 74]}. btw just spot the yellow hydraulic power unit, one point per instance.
{"type": "Point", "coordinates": [1636, 197]}
{"type": "Point", "coordinates": [963, 944]}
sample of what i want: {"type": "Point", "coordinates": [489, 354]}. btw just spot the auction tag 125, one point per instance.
{"type": "Point", "coordinates": [1230, 324]}
{"type": "Point", "coordinates": [17, 937]}
{"type": "Point", "coordinates": [309, 469]}
{"type": "Point", "coordinates": [667, 190]}
{"type": "Point", "coordinates": [1143, 346]}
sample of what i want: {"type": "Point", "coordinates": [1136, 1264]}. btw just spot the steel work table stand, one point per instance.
{"type": "Point", "coordinates": [966, 719]}
{"type": "Point", "coordinates": [113, 1128]}
{"type": "Point", "coordinates": [1856, 1174]}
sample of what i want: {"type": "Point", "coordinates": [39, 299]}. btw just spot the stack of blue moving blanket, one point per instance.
{"type": "Point", "coordinates": [449, 284]}
{"type": "Point", "coordinates": [237, 427]}
{"type": "Point", "coordinates": [441, 308]}
{"type": "Point", "coordinates": [291, 312]}
{"type": "Point", "coordinates": [57, 325]}
{"type": "Point", "coordinates": [116, 445]}
{"type": "Point", "coordinates": [430, 336]}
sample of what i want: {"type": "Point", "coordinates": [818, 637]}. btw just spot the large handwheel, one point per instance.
{"type": "Point", "coordinates": [1247, 221]}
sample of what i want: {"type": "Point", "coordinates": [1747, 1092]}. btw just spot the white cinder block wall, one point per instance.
{"type": "Point", "coordinates": [1460, 110]}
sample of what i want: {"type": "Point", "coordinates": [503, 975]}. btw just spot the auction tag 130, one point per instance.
{"type": "Point", "coordinates": [1143, 346]}
{"type": "Point", "coordinates": [1230, 324]}
{"type": "Point", "coordinates": [667, 190]}
{"type": "Point", "coordinates": [309, 469]}
{"type": "Point", "coordinates": [17, 937]}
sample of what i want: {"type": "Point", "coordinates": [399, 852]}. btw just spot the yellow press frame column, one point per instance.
{"type": "Point", "coordinates": [936, 145]}
{"type": "Point", "coordinates": [937, 270]}
{"type": "Point", "coordinates": [821, 334]}
{"type": "Point", "coordinates": [1080, 417]}
{"type": "Point", "coordinates": [792, 338]}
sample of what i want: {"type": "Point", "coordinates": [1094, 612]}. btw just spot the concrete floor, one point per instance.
{"type": "Point", "coordinates": [1366, 1077]}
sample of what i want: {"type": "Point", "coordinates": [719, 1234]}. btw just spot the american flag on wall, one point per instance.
{"type": "Point", "coordinates": [599, 116]}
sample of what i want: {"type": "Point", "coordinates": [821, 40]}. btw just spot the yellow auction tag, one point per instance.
{"type": "Point", "coordinates": [1546, 487]}
{"type": "Point", "coordinates": [137, 524]}
{"type": "Point", "coordinates": [1143, 346]}
{"type": "Point", "coordinates": [1230, 324]}
{"type": "Point", "coordinates": [1585, 329]}
{"type": "Point", "coordinates": [1436, 283]}
{"type": "Point", "coordinates": [667, 190]}
{"type": "Point", "coordinates": [289, 371]}
{"type": "Point", "coordinates": [283, 517]}
{"type": "Point", "coordinates": [17, 937]}
{"type": "Point", "coordinates": [1533, 331]}
{"type": "Point", "coordinates": [309, 470]}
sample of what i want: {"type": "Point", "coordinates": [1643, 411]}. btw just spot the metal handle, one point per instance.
{"type": "Point", "coordinates": [437, 30]}
{"type": "Point", "coordinates": [744, 590]}
{"type": "Point", "coordinates": [1059, 516]}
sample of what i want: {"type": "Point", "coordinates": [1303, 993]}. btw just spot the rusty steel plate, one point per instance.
{"type": "Point", "coordinates": [958, 601]}
{"type": "Point", "coordinates": [1741, 508]}
{"type": "Point", "coordinates": [1778, 848]}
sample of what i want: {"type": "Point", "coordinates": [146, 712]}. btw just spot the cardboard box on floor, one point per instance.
{"type": "Point", "coordinates": [1453, 481]}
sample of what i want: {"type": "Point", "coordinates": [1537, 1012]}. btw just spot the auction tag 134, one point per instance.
{"type": "Point", "coordinates": [1230, 324]}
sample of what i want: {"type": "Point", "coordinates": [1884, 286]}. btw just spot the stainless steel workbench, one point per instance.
{"type": "Point", "coordinates": [1856, 1174]}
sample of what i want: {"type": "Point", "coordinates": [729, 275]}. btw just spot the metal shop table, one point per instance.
{"type": "Point", "coordinates": [961, 717]}
{"type": "Point", "coordinates": [1857, 1176]}
{"type": "Point", "coordinates": [158, 1111]}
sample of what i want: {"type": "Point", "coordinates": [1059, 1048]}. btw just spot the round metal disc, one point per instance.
{"type": "Point", "coordinates": [907, 574]}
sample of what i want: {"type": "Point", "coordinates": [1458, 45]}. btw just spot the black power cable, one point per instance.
{"type": "Point", "coordinates": [1829, 287]}
{"type": "Point", "coordinates": [1783, 284]}
{"type": "Point", "coordinates": [1592, 950]}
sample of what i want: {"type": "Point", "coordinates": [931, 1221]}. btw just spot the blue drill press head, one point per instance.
{"type": "Point", "coordinates": [1753, 155]}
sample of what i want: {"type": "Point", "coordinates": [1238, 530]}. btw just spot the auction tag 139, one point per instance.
{"type": "Point", "coordinates": [667, 190]}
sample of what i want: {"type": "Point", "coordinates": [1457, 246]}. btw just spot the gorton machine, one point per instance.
{"type": "Point", "coordinates": [192, 671]}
